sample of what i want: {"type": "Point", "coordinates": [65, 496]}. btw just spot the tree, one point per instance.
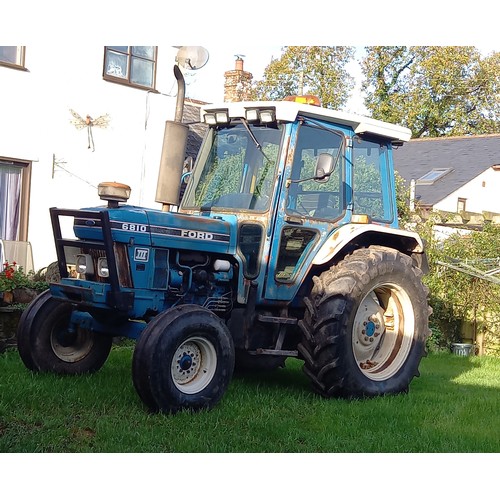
{"type": "Point", "coordinates": [318, 70]}
{"type": "Point", "coordinates": [434, 91]}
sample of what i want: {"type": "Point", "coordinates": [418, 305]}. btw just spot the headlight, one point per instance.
{"type": "Point", "coordinates": [84, 264]}
{"type": "Point", "coordinates": [102, 267]}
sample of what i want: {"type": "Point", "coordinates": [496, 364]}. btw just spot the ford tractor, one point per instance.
{"type": "Point", "coordinates": [286, 244]}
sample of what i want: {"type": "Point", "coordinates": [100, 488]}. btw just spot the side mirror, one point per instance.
{"type": "Point", "coordinates": [325, 165]}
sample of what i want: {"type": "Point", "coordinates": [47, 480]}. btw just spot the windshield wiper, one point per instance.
{"type": "Point", "coordinates": [254, 139]}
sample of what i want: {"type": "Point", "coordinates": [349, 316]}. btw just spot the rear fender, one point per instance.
{"type": "Point", "coordinates": [408, 242]}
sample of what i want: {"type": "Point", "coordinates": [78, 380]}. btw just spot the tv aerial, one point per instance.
{"type": "Point", "coordinates": [191, 58]}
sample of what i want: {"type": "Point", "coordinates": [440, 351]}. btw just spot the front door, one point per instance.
{"type": "Point", "coordinates": [309, 208]}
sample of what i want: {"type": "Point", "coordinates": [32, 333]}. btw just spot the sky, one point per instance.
{"type": "Point", "coordinates": [256, 30]}
{"type": "Point", "coordinates": [207, 83]}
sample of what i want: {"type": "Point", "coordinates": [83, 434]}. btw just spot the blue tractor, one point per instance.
{"type": "Point", "coordinates": [285, 244]}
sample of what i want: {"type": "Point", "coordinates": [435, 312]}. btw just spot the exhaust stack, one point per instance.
{"type": "Point", "coordinates": [173, 151]}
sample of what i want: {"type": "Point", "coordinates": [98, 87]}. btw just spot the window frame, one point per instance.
{"type": "Point", "coordinates": [130, 57]}
{"type": "Point", "coordinates": [24, 205]}
{"type": "Point", "coordinates": [433, 176]}
{"type": "Point", "coordinates": [20, 59]}
{"type": "Point", "coordinates": [308, 187]}
{"type": "Point", "coordinates": [384, 180]}
{"type": "Point", "coordinates": [461, 204]}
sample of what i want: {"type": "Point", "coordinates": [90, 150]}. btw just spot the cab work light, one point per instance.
{"type": "Point", "coordinates": [267, 115]}
{"type": "Point", "coordinates": [216, 116]}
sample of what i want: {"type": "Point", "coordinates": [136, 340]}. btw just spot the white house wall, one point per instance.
{"type": "Point", "coordinates": [35, 125]}
{"type": "Point", "coordinates": [481, 194]}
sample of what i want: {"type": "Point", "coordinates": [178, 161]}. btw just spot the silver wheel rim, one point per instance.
{"type": "Point", "coordinates": [79, 347]}
{"type": "Point", "coordinates": [383, 331]}
{"type": "Point", "coordinates": [193, 365]}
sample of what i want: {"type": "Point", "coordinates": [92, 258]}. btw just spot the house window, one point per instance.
{"type": "Point", "coordinates": [434, 175]}
{"type": "Point", "coordinates": [12, 56]}
{"type": "Point", "coordinates": [131, 65]}
{"type": "Point", "coordinates": [461, 204]}
{"type": "Point", "coordinates": [14, 199]}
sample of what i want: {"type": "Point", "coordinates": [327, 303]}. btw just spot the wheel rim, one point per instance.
{"type": "Point", "coordinates": [383, 331]}
{"type": "Point", "coordinates": [193, 365]}
{"type": "Point", "coordinates": [71, 347]}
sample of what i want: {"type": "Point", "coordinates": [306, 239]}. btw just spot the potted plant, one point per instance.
{"type": "Point", "coordinates": [17, 289]}
{"type": "Point", "coordinates": [9, 279]}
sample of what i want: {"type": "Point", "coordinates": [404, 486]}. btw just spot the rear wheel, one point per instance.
{"type": "Point", "coordinates": [365, 326]}
{"type": "Point", "coordinates": [184, 360]}
{"type": "Point", "coordinates": [46, 343]}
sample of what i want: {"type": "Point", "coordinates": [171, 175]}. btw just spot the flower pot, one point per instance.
{"type": "Point", "coordinates": [24, 295]}
{"type": "Point", "coordinates": [7, 297]}
{"type": "Point", "coordinates": [462, 349]}
{"type": "Point", "coordinates": [9, 319]}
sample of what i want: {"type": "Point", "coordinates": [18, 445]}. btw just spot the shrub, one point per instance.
{"type": "Point", "coordinates": [461, 297]}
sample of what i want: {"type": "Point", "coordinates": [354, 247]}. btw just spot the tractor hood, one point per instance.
{"type": "Point", "coordinates": [139, 226]}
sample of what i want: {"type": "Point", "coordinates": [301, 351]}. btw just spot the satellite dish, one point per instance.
{"type": "Point", "coordinates": [191, 58]}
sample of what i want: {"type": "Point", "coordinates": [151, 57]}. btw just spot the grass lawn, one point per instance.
{"type": "Point", "coordinates": [454, 406]}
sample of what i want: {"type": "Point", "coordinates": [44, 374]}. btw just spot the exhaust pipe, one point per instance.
{"type": "Point", "coordinates": [173, 151]}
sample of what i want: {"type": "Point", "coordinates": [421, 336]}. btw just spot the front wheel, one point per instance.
{"type": "Point", "coordinates": [184, 359]}
{"type": "Point", "coordinates": [47, 343]}
{"type": "Point", "coordinates": [366, 324]}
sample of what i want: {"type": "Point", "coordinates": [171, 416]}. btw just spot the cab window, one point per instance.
{"type": "Point", "coordinates": [370, 175]}
{"type": "Point", "coordinates": [309, 197]}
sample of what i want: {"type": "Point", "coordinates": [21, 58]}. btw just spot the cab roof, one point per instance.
{"type": "Point", "coordinates": [287, 111]}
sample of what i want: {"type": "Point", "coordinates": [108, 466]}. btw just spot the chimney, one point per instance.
{"type": "Point", "coordinates": [238, 82]}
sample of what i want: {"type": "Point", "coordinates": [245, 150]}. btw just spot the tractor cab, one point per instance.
{"type": "Point", "coordinates": [289, 174]}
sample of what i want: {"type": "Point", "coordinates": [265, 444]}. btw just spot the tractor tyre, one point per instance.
{"type": "Point", "coordinates": [184, 360]}
{"type": "Point", "coordinates": [143, 353]}
{"type": "Point", "coordinates": [23, 335]}
{"type": "Point", "coordinates": [365, 325]}
{"type": "Point", "coordinates": [46, 345]}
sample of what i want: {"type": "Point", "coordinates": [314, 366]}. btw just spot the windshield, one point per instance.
{"type": "Point", "coordinates": [236, 169]}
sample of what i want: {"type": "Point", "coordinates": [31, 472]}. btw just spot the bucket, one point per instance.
{"type": "Point", "coordinates": [462, 349]}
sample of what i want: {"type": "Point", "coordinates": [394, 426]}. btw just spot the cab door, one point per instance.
{"type": "Point", "coordinates": [309, 209]}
